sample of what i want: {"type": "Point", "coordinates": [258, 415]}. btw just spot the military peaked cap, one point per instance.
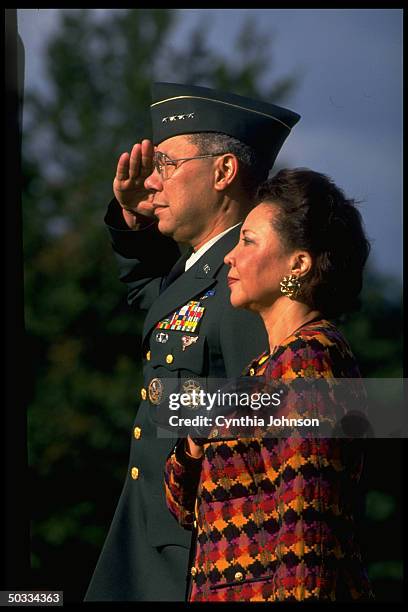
{"type": "Point", "coordinates": [186, 109]}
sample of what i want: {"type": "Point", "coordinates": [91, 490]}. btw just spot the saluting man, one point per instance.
{"type": "Point", "coordinates": [193, 185]}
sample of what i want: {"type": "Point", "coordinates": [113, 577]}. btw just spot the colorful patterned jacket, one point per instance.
{"type": "Point", "coordinates": [273, 517]}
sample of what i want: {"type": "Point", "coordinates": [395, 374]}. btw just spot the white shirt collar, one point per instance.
{"type": "Point", "coordinates": [197, 254]}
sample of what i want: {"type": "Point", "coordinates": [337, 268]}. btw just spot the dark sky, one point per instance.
{"type": "Point", "coordinates": [349, 96]}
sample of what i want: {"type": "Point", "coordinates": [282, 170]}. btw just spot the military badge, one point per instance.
{"type": "Point", "coordinates": [207, 294]}
{"type": "Point", "coordinates": [188, 341]}
{"type": "Point", "coordinates": [192, 388]}
{"type": "Point", "coordinates": [161, 337]}
{"type": "Point", "coordinates": [155, 391]}
{"type": "Point", "coordinates": [185, 319]}
{"type": "Point", "coordinates": [178, 117]}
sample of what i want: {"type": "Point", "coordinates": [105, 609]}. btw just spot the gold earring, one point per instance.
{"type": "Point", "coordinates": [290, 286]}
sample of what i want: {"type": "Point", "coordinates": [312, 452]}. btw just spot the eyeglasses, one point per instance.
{"type": "Point", "coordinates": [166, 166]}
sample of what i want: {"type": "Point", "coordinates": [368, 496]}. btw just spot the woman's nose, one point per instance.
{"type": "Point", "coordinates": [229, 258]}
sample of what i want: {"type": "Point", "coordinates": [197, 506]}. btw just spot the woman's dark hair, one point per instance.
{"type": "Point", "coordinates": [315, 215]}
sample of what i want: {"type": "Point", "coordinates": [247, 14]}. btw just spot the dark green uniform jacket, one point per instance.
{"type": "Point", "coordinates": [145, 555]}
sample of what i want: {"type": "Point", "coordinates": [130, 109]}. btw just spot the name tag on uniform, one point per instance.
{"type": "Point", "coordinates": [185, 318]}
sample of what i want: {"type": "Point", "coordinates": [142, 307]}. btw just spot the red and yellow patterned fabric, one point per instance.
{"type": "Point", "coordinates": [274, 516]}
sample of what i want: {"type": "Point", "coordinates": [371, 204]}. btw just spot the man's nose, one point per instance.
{"type": "Point", "coordinates": [154, 181]}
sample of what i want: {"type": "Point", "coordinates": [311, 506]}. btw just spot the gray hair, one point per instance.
{"type": "Point", "coordinates": [253, 170]}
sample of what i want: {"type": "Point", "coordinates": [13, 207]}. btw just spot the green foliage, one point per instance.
{"type": "Point", "coordinates": [386, 569]}
{"type": "Point", "coordinates": [83, 341]}
{"type": "Point", "coordinates": [374, 332]}
{"type": "Point", "coordinates": [379, 505]}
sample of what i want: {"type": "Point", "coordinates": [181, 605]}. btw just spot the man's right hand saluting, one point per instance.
{"type": "Point", "coordinates": [128, 185]}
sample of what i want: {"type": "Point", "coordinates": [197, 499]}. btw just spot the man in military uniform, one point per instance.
{"type": "Point", "coordinates": [194, 187]}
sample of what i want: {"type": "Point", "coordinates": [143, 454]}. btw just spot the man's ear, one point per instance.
{"type": "Point", "coordinates": [226, 170]}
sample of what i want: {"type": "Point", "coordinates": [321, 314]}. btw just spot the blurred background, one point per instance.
{"type": "Point", "coordinates": [87, 84]}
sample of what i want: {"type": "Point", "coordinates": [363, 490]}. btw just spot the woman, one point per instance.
{"type": "Point", "coordinates": [274, 516]}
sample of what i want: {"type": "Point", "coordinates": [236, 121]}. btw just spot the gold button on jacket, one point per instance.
{"type": "Point", "coordinates": [143, 393]}
{"type": "Point", "coordinates": [137, 432]}
{"type": "Point", "coordinates": [169, 358]}
{"type": "Point", "coordinates": [135, 473]}
{"type": "Point", "coordinates": [239, 576]}
{"type": "Point", "coordinates": [148, 355]}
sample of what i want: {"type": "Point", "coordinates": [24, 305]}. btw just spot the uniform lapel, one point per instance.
{"type": "Point", "coordinates": [193, 283]}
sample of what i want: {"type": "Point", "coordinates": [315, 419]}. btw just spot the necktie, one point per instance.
{"type": "Point", "coordinates": [176, 270]}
